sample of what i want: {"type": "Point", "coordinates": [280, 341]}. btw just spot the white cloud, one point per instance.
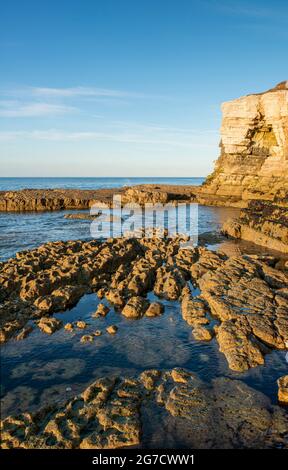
{"type": "Point", "coordinates": [82, 91]}
{"type": "Point", "coordinates": [34, 92]}
{"type": "Point", "coordinates": [166, 139]}
{"type": "Point", "coordinates": [17, 109]}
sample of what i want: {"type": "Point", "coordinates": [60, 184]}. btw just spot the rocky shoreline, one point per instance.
{"type": "Point", "coordinates": [239, 302]}
{"type": "Point", "coordinates": [264, 223]}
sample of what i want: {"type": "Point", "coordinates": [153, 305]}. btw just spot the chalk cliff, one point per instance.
{"type": "Point", "coordinates": [254, 150]}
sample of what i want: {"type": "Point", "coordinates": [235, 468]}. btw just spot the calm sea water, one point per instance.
{"type": "Point", "coordinates": [20, 231]}
{"type": "Point", "coordinates": [43, 369]}
{"type": "Point", "coordinates": [12, 184]}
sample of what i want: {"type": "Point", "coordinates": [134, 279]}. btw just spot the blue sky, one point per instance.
{"type": "Point", "coordinates": [129, 88]}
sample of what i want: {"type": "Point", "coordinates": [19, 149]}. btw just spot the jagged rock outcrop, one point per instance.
{"type": "Point", "coordinates": [262, 222]}
{"type": "Point", "coordinates": [60, 199]}
{"type": "Point", "coordinates": [254, 150]}
{"type": "Point", "coordinates": [55, 199]}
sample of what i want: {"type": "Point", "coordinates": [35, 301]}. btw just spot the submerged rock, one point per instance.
{"type": "Point", "coordinates": [112, 329]}
{"type": "Point", "coordinates": [87, 339]}
{"type": "Point", "coordinates": [225, 414]}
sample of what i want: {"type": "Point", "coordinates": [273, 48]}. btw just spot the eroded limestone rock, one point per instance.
{"type": "Point", "coordinates": [49, 325]}
{"type": "Point", "coordinates": [242, 294]}
{"type": "Point", "coordinates": [169, 283]}
{"type": "Point", "coordinates": [262, 222]}
{"type": "Point", "coordinates": [135, 307]}
{"type": "Point", "coordinates": [225, 414]}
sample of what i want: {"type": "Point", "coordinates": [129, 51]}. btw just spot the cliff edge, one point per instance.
{"type": "Point", "coordinates": [254, 150]}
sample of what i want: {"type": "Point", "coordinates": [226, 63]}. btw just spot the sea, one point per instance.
{"type": "Point", "coordinates": [27, 230]}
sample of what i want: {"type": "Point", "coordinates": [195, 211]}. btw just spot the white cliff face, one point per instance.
{"type": "Point", "coordinates": [254, 146]}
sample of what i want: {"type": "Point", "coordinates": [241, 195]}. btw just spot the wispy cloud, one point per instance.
{"type": "Point", "coordinates": [48, 101]}
{"type": "Point", "coordinates": [55, 135]}
{"type": "Point", "coordinates": [156, 128]}
{"type": "Point", "coordinates": [32, 109]}
{"type": "Point", "coordinates": [81, 91]}
{"type": "Point", "coordinates": [36, 92]}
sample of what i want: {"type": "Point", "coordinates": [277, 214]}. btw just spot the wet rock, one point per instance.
{"type": "Point", "coordinates": [67, 297]}
{"type": "Point", "coordinates": [262, 222]}
{"type": "Point", "coordinates": [60, 299]}
{"type": "Point", "coordinates": [24, 333]}
{"type": "Point", "coordinates": [54, 276]}
{"type": "Point", "coordinates": [49, 325]}
{"type": "Point", "coordinates": [225, 414]}
{"type": "Point", "coordinates": [185, 258]}
{"type": "Point", "coordinates": [180, 375]}
{"type": "Point", "coordinates": [10, 328]}
{"type": "Point", "coordinates": [135, 307]}
{"type": "Point", "coordinates": [201, 333]}
{"type": "Point", "coordinates": [169, 282]}
{"type": "Point", "coordinates": [101, 292]}
{"type": "Point", "coordinates": [193, 309]}
{"type": "Point", "coordinates": [154, 310]}
{"type": "Point", "coordinates": [69, 327]}
{"type": "Point", "coordinates": [240, 351]}
{"type": "Point", "coordinates": [44, 303]}
{"type": "Point", "coordinates": [115, 298]}
{"type": "Point", "coordinates": [242, 294]}
{"type": "Point", "coordinates": [283, 389]}
{"type": "Point", "coordinates": [142, 277]}
{"type": "Point", "coordinates": [81, 324]}
{"type": "Point", "coordinates": [82, 216]}
{"type": "Point", "coordinates": [207, 261]}
{"type": "Point", "coordinates": [101, 311]}
{"type": "Point", "coordinates": [112, 329]}
{"type": "Point", "coordinates": [87, 339]}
